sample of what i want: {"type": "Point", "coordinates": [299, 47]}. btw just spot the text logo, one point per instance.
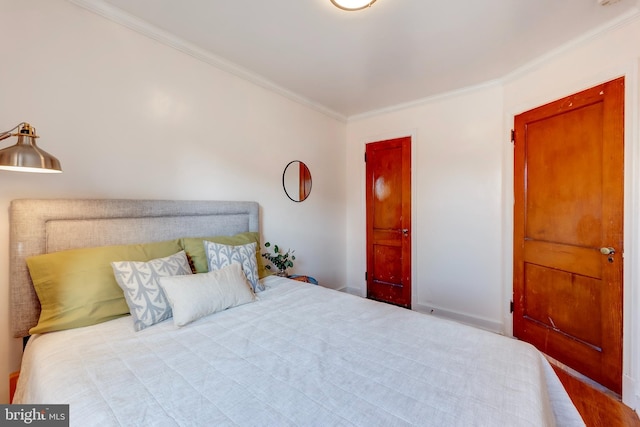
{"type": "Point", "coordinates": [34, 415]}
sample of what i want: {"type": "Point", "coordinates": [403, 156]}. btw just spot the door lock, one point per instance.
{"type": "Point", "coordinates": [607, 251]}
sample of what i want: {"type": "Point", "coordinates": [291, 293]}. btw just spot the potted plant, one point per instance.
{"type": "Point", "coordinates": [280, 260]}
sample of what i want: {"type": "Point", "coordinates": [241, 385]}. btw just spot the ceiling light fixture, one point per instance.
{"type": "Point", "coordinates": [352, 4]}
{"type": "Point", "coordinates": [26, 156]}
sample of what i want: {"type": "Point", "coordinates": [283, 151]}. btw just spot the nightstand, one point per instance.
{"type": "Point", "coordinates": [300, 278]}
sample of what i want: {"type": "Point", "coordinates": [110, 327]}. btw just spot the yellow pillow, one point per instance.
{"type": "Point", "coordinates": [194, 247]}
{"type": "Point", "coordinates": [78, 288]}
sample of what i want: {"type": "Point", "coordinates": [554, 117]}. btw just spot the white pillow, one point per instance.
{"type": "Point", "coordinates": [198, 295]}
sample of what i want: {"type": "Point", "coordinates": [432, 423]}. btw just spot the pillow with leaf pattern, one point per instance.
{"type": "Point", "coordinates": [219, 256]}
{"type": "Point", "coordinates": [139, 281]}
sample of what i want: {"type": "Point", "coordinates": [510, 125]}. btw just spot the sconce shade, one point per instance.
{"type": "Point", "coordinates": [26, 156]}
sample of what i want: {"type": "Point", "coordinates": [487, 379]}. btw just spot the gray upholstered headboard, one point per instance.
{"type": "Point", "coordinates": [44, 226]}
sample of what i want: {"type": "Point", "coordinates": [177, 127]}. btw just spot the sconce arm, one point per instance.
{"type": "Point", "coordinates": [7, 134]}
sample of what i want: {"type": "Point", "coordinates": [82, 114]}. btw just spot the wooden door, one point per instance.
{"type": "Point", "coordinates": [568, 216]}
{"type": "Point", "coordinates": [388, 192]}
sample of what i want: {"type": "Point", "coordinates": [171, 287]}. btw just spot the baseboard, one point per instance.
{"type": "Point", "coordinates": [353, 291]}
{"type": "Point", "coordinates": [478, 322]}
{"type": "Point", "coordinates": [630, 393]}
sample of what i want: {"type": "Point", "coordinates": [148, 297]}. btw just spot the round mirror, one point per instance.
{"type": "Point", "coordinates": [296, 180]}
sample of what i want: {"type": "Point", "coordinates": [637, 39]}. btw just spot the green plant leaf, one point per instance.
{"type": "Point", "coordinates": [280, 260]}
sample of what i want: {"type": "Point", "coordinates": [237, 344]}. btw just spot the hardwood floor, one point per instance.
{"type": "Point", "coordinates": [598, 408]}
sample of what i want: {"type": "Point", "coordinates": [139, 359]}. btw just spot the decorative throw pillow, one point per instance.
{"type": "Point", "coordinates": [198, 295]}
{"type": "Point", "coordinates": [195, 249]}
{"type": "Point", "coordinates": [77, 288]}
{"type": "Point", "coordinates": [219, 256]}
{"type": "Point", "coordinates": [139, 281]}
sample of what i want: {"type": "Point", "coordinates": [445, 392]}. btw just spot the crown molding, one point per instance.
{"type": "Point", "coordinates": [125, 19]}
{"type": "Point", "coordinates": [140, 26]}
{"type": "Point", "coordinates": [622, 20]}
{"type": "Point", "coordinates": [427, 100]}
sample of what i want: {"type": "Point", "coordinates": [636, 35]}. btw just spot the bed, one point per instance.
{"type": "Point", "coordinates": [297, 354]}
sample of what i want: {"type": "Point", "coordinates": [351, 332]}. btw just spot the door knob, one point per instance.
{"type": "Point", "coordinates": [607, 251]}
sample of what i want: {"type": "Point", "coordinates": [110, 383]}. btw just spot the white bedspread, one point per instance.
{"type": "Point", "coordinates": [301, 355]}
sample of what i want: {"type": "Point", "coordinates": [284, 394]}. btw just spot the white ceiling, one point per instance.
{"type": "Point", "coordinates": [351, 63]}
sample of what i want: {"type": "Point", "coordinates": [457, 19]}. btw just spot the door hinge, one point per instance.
{"type": "Point", "coordinates": [513, 136]}
{"type": "Point", "coordinates": [365, 157]}
{"type": "Point", "coordinates": [510, 306]}
{"type": "Point", "coordinates": [366, 276]}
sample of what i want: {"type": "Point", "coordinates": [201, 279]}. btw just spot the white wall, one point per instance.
{"type": "Point", "coordinates": [591, 61]}
{"type": "Point", "coordinates": [457, 199]}
{"type": "Point", "coordinates": [463, 184]}
{"type": "Point", "coordinates": [131, 118]}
